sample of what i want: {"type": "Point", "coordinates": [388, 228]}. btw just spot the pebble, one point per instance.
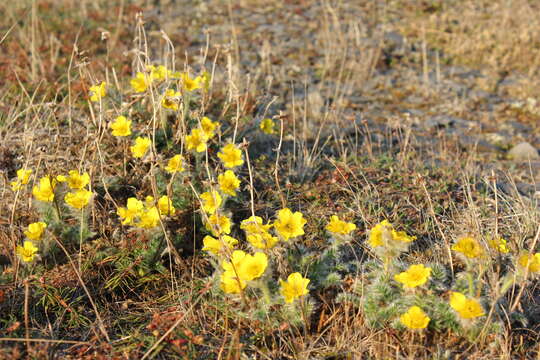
{"type": "Point", "coordinates": [523, 152]}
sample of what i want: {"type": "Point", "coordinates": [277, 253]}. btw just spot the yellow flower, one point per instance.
{"type": "Point", "coordinates": [218, 224]}
{"type": "Point", "coordinates": [415, 275]}
{"type": "Point", "coordinates": [165, 206]}
{"type": "Point", "coordinates": [466, 308]}
{"type": "Point", "coordinates": [140, 82]}
{"type": "Point", "coordinates": [401, 236]}
{"type": "Point", "coordinates": [141, 147]}
{"type": "Point", "coordinates": [231, 156]}
{"type": "Point", "coordinates": [216, 246]}
{"type": "Point", "coordinates": [211, 201]}
{"type": "Point", "coordinates": [469, 247]}
{"type": "Point", "coordinates": [246, 266]}
{"type": "Point", "coordinates": [23, 177]}
{"type": "Point", "coordinates": [209, 127]}
{"type": "Point", "coordinates": [257, 234]}
{"type": "Point", "coordinates": [76, 180]}
{"type": "Point", "coordinates": [233, 265]}
{"type": "Point", "coordinates": [340, 227]}
{"type": "Point", "coordinates": [190, 84]}
{"type": "Point", "coordinates": [196, 140]}
{"type": "Point", "coordinates": [294, 287]}
{"type": "Point", "coordinates": [499, 245]}
{"type": "Point", "coordinates": [157, 72]}
{"type": "Point", "coordinates": [384, 234]}
{"type": "Point", "coordinates": [267, 126]}
{"type": "Point", "coordinates": [415, 318]}
{"type": "Point", "coordinates": [379, 232]}
{"type": "Point", "coordinates": [252, 266]}
{"type": "Point", "coordinates": [231, 283]}
{"type": "Point", "coordinates": [228, 183]}
{"type": "Point", "coordinates": [175, 164]}
{"type": "Point", "coordinates": [149, 218]}
{"type": "Point", "coordinates": [35, 230]}
{"type": "Point", "coordinates": [121, 126]}
{"type": "Point", "coordinates": [78, 199]}
{"type": "Point", "coordinates": [289, 224]}
{"type": "Point", "coordinates": [530, 262]}
{"type": "Point", "coordinates": [98, 91]}
{"type": "Point", "coordinates": [27, 252]}
{"type": "Point", "coordinates": [171, 99]}
{"type": "Point", "coordinates": [263, 240]}
{"type": "Point", "coordinates": [45, 190]}
{"type": "Point", "coordinates": [149, 201]}
{"type": "Point", "coordinates": [212, 245]}
{"type": "Point", "coordinates": [254, 224]}
{"type": "Point", "coordinates": [133, 210]}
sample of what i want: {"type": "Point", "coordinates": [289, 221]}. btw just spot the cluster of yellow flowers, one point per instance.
{"type": "Point", "coordinates": [29, 250]}
{"type": "Point", "coordinates": [171, 99]}
{"type": "Point", "coordinates": [198, 138]}
{"type": "Point", "coordinates": [78, 198]}
{"type": "Point", "coordinates": [287, 225]}
{"type": "Point", "coordinates": [388, 242]}
{"type": "Point", "coordinates": [237, 268]}
{"type": "Point", "coordinates": [470, 249]}
{"type": "Point", "coordinates": [466, 308]}
{"type": "Point", "coordinates": [145, 215]}
{"type": "Point", "coordinates": [243, 268]}
{"type": "Point", "coordinates": [157, 75]}
{"type": "Point", "coordinates": [143, 80]}
{"type": "Point", "coordinates": [23, 177]}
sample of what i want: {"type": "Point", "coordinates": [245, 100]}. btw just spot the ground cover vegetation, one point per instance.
{"type": "Point", "coordinates": [269, 179]}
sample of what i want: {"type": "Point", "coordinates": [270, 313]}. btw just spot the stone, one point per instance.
{"type": "Point", "coordinates": [523, 152]}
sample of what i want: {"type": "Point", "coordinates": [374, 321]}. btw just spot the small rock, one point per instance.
{"type": "Point", "coordinates": [523, 152]}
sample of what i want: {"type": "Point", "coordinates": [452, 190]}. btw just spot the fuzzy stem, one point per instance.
{"type": "Point", "coordinates": [509, 281]}
{"type": "Point", "coordinates": [185, 112]}
{"type": "Point", "coordinates": [265, 292]}
{"type": "Point", "coordinates": [304, 315]}
{"type": "Point", "coordinates": [471, 282]}
{"type": "Point", "coordinates": [57, 209]}
{"type": "Point", "coordinates": [124, 157]}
